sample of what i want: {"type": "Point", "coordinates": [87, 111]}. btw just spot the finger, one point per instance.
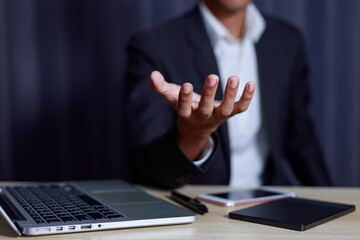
{"type": "Point", "coordinates": [227, 103]}
{"type": "Point", "coordinates": [196, 97]}
{"type": "Point", "coordinates": [244, 102]}
{"type": "Point", "coordinates": [206, 104]}
{"type": "Point", "coordinates": [169, 91]}
{"type": "Point", "coordinates": [185, 99]}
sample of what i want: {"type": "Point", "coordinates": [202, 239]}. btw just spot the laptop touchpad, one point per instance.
{"type": "Point", "coordinates": [125, 197]}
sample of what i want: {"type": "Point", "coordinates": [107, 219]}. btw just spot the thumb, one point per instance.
{"type": "Point", "coordinates": [158, 83]}
{"type": "Point", "coordinates": [169, 91]}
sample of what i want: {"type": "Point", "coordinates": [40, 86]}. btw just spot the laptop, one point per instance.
{"type": "Point", "coordinates": [63, 207]}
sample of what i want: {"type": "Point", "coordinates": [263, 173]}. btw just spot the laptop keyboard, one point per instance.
{"type": "Point", "coordinates": [56, 203]}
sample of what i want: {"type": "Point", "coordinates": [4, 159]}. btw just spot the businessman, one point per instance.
{"type": "Point", "coordinates": [220, 96]}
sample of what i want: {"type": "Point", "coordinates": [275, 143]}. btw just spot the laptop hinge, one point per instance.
{"type": "Point", "coordinates": [8, 213]}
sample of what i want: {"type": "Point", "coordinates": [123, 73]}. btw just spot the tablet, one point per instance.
{"type": "Point", "coordinates": [292, 213]}
{"type": "Point", "coordinates": [239, 197]}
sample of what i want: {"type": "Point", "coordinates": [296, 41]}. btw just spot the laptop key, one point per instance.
{"type": "Point", "coordinates": [67, 219]}
{"type": "Point", "coordinates": [82, 217]}
{"type": "Point", "coordinates": [89, 200]}
{"type": "Point", "coordinates": [50, 220]}
{"type": "Point", "coordinates": [96, 215]}
{"type": "Point", "coordinates": [114, 216]}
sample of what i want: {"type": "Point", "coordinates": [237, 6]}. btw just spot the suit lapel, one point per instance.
{"type": "Point", "coordinates": [271, 86]}
{"type": "Point", "coordinates": [205, 63]}
{"type": "Point", "coordinates": [203, 56]}
{"type": "Point", "coordinates": [264, 74]}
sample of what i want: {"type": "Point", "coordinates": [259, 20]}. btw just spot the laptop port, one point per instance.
{"type": "Point", "coordinates": [71, 227]}
{"type": "Point", "coordinates": [59, 228]}
{"type": "Point", "coordinates": [85, 227]}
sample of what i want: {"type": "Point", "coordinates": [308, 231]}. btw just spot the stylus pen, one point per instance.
{"type": "Point", "coordinates": [188, 202]}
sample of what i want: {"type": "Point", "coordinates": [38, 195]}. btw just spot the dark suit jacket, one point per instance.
{"type": "Point", "coordinates": [181, 51]}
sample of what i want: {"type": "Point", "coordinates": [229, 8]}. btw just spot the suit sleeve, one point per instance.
{"type": "Point", "coordinates": [151, 124]}
{"type": "Point", "coordinates": [303, 149]}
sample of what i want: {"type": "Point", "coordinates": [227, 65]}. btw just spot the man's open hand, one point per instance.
{"type": "Point", "coordinates": [201, 115]}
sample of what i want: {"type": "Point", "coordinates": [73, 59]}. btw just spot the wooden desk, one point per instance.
{"type": "Point", "coordinates": [216, 224]}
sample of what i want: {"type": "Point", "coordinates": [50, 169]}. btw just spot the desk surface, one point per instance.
{"type": "Point", "coordinates": [216, 224]}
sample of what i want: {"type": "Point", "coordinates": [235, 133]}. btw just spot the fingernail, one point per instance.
{"type": "Point", "coordinates": [233, 82]}
{"type": "Point", "coordinates": [211, 81]}
{"type": "Point", "coordinates": [155, 74]}
{"type": "Point", "coordinates": [251, 87]}
{"type": "Point", "coordinates": [186, 88]}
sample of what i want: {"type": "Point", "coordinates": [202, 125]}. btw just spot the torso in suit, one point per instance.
{"type": "Point", "coordinates": [182, 52]}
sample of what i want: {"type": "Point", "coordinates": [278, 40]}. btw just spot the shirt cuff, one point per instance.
{"type": "Point", "coordinates": [205, 153]}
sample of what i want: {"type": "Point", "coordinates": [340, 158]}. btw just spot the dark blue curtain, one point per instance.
{"type": "Point", "coordinates": [62, 68]}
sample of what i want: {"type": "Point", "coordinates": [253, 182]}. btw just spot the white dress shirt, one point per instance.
{"type": "Point", "coordinates": [237, 57]}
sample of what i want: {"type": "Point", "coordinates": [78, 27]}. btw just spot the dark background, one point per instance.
{"type": "Point", "coordinates": [62, 66]}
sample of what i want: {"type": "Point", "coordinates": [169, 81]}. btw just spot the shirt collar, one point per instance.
{"type": "Point", "coordinates": [254, 24]}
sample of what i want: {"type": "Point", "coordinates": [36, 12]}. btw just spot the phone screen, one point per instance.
{"type": "Point", "coordinates": [246, 194]}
